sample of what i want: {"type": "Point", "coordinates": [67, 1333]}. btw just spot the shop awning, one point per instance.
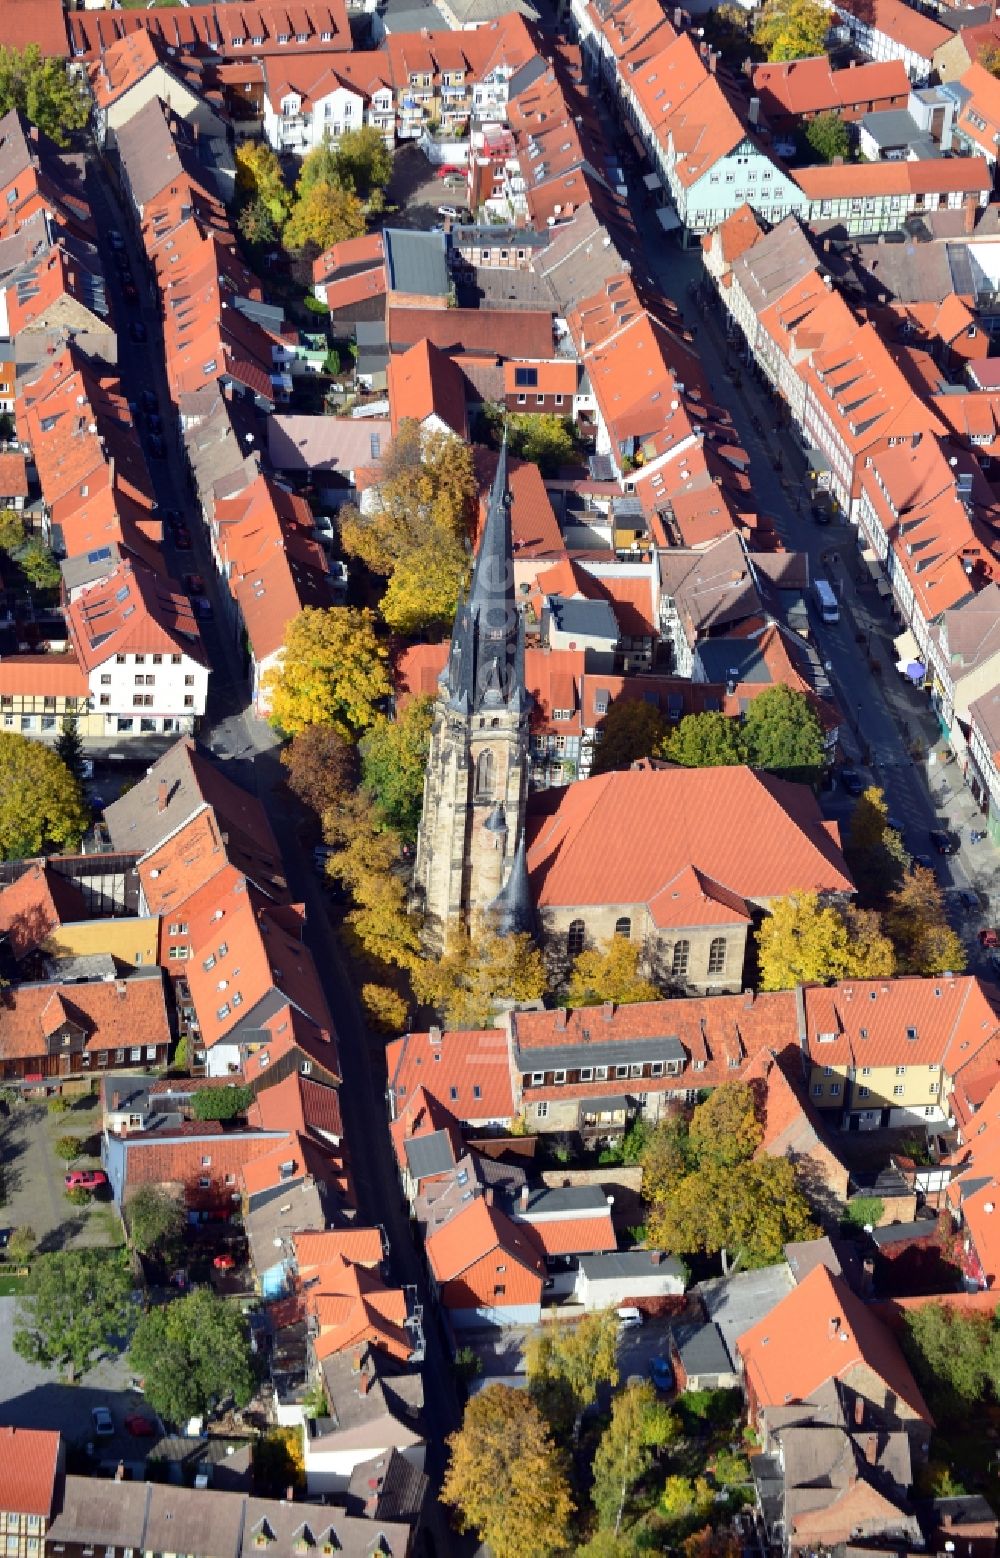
{"type": "Point", "coordinates": [906, 647]}
{"type": "Point", "coordinates": [668, 219]}
{"type": "Point", "coordinates": [652, 181]}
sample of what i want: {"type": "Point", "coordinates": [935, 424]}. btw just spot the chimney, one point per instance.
{"type": "Point", "coordinates": [122, 988]}
{"type": "Point", "coordinates": [748, 1000]}
{"type": "Point", "coordinates": [713, 61]}
{"type": "Point", "coordinates": [525, 1197]}
{"type": "Point", "coordinates": [608, 1011]}
{"type": "Point", "coordinates": [859, 1411]}
{"type": "Point", "coordinates": [434, 1035]}
{"type": "Point", "coordinates": [655, 1257]}
{"type": "Point", "coordinates": [753, 112]}
{"type": "Point", "coordinates": [161, 797]}
{"type": "Point", "coordinates": [289, 1495]}
{"type": "Point", "coordinates": [833, 1327]}
{"type": "Point", "coordinates": [560, 1019]}
{"type": "Point", "coordinates": [488, 1195]}
{"type": "Point", "coordinates": [120, 1472]}
{"type": "Point", "coordinates": [969, 214]}
{"type": "Point", "coordinates": [363, 1383]}
{"type": "Point", "coordinates": [116, 1100]}
{"type": "Point", "coordinates": [871, 1449]}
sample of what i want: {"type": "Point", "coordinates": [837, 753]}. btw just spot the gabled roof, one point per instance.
{"type": "Point", "coordinates": [479, 1230]}
{"type": "Point", "coordinates": [350, 1305]}
{"type": "Point", "coordinates": [818, 1333]}
{"type": "Point", "coordinates": [424, 382]}
{"type": "Point", "coordinates": [623, 838]}
{"type": "Point", "coordinates": [135, 612]}
{"type": "Point", "coordinates": [111, 1014]}
{"type": "Point", "coordinates": [29, 1461]}
{"type": "Point", "coordinates": [33, 905]}
{"type": "Point", "coordinates": [471, 1079]}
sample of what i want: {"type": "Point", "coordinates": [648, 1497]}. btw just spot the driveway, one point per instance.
{"type": "Point", "coordinates": [33, 1184]}
{"type": "Point", "coordinates": [416, 192]}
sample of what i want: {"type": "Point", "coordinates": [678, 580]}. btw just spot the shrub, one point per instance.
{"type": "Point", "coordinates": [57, 1104]}
{"type": "Point", "coordinates": [221, 1103]}
{"type": "Point", "coordinates": [77, 1196]}
{"type": "Point", "coordinates": [68, 1148]}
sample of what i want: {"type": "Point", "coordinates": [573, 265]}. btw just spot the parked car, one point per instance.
{"type": "Point", "coordinates": [148, 401]}
{"type": "Point", "coordinates": [852, 781]}
{"type": "Point", "coordinates": [182, 538]}
{"type": "Point", "coordinates": [137, 332]}
{"type": "Point", "coordinates": [4, 1238]}
{"type": "Point", "coordinates": [157, 447]}
{"type": "Point", "coordinates": [104, 1423]}
{"type": "Point", "coordinates": [202, 607]}
{"type": "Point", "coordinates": [85, 1179]}
{"type": "Point", "coordinates": [224, 1262]}
{"type": "Point", "coordinates": [989, 938]}
{"type": "Point", "coordinates": [86, 768]}
{"type": "Point", "coordinates": [925, 861]}
{"type": "Point", "coordinates": [154, 422]}
{"type": "Point", "coordinates": [140, 1427]}
{"type": "Point", "coordinates": [944, 842]}
{"type": "Point", "coordinates": [339, 576]}
{"type": "Point", "coordinates": [662, 1374]}
{"type": "Point", "coordinates": [449, 211]}
{"type": "Point", "coordinates": [968, 900]}
{"type": "Point", "coordinates": [628, 1317]}
{"type": "Point", "coordinates": [121, 260]}
{"type": "Point", "coordinates": [129, 289]}
{"type": "Point", "coordinates": [194, 584]}
{"type": "Point", "coordinates": [115, 239]}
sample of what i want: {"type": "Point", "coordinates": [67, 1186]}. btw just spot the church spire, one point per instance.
{"type": "Point", "coordinates": [512, 908]}
{"type": "Point", "coordinates": [485, 664]}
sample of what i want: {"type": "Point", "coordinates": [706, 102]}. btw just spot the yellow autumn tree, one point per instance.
{"type": "Point", "coordinates": [477, 970]}
{"type": "Point", "coordinates": [332, 672]}
{"type": "Point", "coordinates": [610, 973]}
{"type": "Point", "coordinates": [384, 1007]}
{"type": "Point", "coordinates": [259, 177]}
{"type": "Point", "coordinates": [322, 215]}
{"type": "Point", "coordinates": [424, 587]}
{"type": "Point", "coordinates": [792, 29]}
{"type": "Point", "coordinates": [805, 941]}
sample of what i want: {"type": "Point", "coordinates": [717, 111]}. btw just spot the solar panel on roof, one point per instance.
{"type": "Point", "coordinates": [102, 555]}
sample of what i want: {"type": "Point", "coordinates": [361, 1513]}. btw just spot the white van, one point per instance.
{"type": "Point", "coordinates": [628, 1316]}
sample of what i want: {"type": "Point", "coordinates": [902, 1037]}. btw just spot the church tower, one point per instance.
{"type": "Point", "coordinates": [471, 853]}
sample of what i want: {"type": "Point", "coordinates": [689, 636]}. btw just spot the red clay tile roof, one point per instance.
{"type": "Point", "coordinates": [467, 1253]}
{"type": "Point", "coordinates": [812, 86]}
{"type": "Point", "coordinates": [360, 1246]}
{"type": "Point", "coordinates": [352, 1305]}
{"type": "Point", "coordinates": [524, 333]}
{"type": "Point", "coordinates": [424, 382]}
{"type": "Point", "coordinates": [33, 905]}
{"type": "Point", "coordinates": [938, 175]}
{"type": "Point", "coordinates": [573, 1235]}
{"type": "Point", "coordinates": [133, 613]}
{"type": "Point", "coordinates": [183, 1155]}
{"type": "Point", "coordinates": [454, 1072]}
{"type": "Point", "coordinates": [941, 1020]}
{"type": "Point", "coordinates": [29, 1459]}
{"type": "Point", "coordinates": [630, 838]}
{"type": "Point", "coordinates": [13, 474]}
{"type": "Point", "coordinates": [797, 1347]}
{"type": "Point", "coordinates": [113, 1015]}
{"type": "Point", "coordinates": [34, 21]}
{"type": "Point", "coordinates": [212, 30]}
{"type": "Point", "coordinates": [48, 676]}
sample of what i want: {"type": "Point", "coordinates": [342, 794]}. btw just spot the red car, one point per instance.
{"type": "Point", "coordinates": [224, 1262]}
{"type": "Point", "coordinates": [140, 1427]}
{"type": "Point", "coordinates": [85, 1179]}
{"type": "Point", "coordinates": [989, 938]}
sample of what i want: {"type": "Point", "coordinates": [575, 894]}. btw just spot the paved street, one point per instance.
{"type": "Point", "coordinates": [251, 748]}
{"type": "Point", "coordinates": [879, 709]}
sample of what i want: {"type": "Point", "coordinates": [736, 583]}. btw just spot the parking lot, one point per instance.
{"type": "Point", "coordinates": [34, 1191]}
{"type": "Point", "coordinates": [415, 192]}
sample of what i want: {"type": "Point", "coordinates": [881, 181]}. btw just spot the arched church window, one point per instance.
{"type": "Point", "coordinates": [717, 955]}
{"type": "Point", "coordinates": [682, 954]}
{"type": "Point", "coordinates": [484, 776]}
{"type": "Point", "coordinates": [575, 937]}
{"type": "Point", "coordinates": [623, 927]}
{"type": "Point", "coordinates": [494, 724]}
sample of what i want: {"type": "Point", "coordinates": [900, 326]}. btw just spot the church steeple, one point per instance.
{"type": "Point", "coordinates": [470, 848]}
{"type": "Point", "coordinates": [485, 668]}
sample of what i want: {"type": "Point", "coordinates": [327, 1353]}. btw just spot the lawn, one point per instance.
{"type": "Point", "coordinates": [10, 1286]}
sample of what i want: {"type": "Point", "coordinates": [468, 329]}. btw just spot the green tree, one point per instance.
{"type": "Point", "coordinates": [69, 747]}
{"type": "Point", "coordinates": [725, 1129]}
{"type": "Point", "coordinates": [221, 1103]}
{"type": "Point", "coordinates": [865, 1211]}
{"type": "Point", "coordinates": [543, 438]}
{"type": "Point", "coordinates": [256, 223]}
{"type": "Point", "coordinates": [11, 530]}
{"type": "Point", "coordinates": [666, 1157]}
{"type": "Point", "coordinates": [322, 767]}
{"type": "Point", "coordinates": [477, 970]}
{"type": "Point", "coordinates": [333, 672]}
{"type": "Point", "coordinates": [322, 215]}
{"type": "Point", "coordinates": [40, 801]}
{"type": "Point", "coordinates": [75, 1306]}
{"type": "Point", "coordinates": [505, 1478]}
{"type": "Point", "coordinates": [631, 729]}
{"type": "Point", "coordinates": [792, 29]}
{"type": "Point", "coordinates": [193, 1355]}
{"type": "Point", "coordinates": [610, 974]}
{"type": "Point", "coordinates": [363, 162]}
{"type": "Point", "coordinates": [44, 91]}
{"type": "Point", "coordinates": [68, 1147]}
{"type": "Point", "coordinates": [686, 1501]}
{"type": "Point", "coordinates": [828, 136]}
{"type": "Point", "coordinates": [955, 1357]}
{"type": "Point", "coordinates": [917, 925]}
{"type": "Point", "coordinates": [782, 734]}
{"type": "Point", "coordinates": [21, 1245]}
{"type": "Point", "coordinates": [38, 565]}
{"type": "Point", "coordinates": [745, 1214]}
{"type": "Point", "coordinates": [566, 1364]}
{"type": "Point", "coordinates": [394, 762]}
{"type": "Point", "coordinates": [155, 1220]}
{"type": "Point", "coordinates": [804, 941]}
{"type": "Point", "coordinates": [705, 741]}
{"type": "Point", "coordinates": [640, 1426]}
